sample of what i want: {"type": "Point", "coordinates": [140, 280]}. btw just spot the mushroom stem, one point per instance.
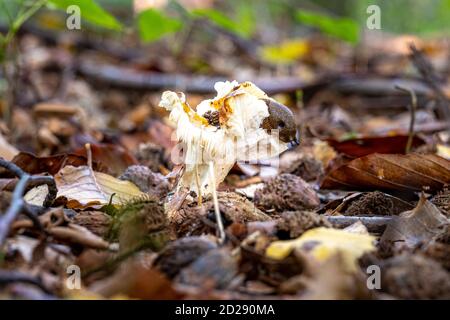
{"type": "Point", "coordinates": [216, 203]}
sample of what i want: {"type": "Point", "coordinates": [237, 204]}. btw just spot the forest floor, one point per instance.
{"type": "Point", "coordinates": [359, 210]}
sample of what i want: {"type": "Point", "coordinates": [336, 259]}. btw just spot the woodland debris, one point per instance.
{"type": "Point", "coordinates": [216, 268]}
{"type": "Point", "coordinates": [414, 277]}
{"type": "Point", "coordinates": [420, 224]}
{"type": "Point", "coordinates": [322, 243]}
{"type": "Point", "coordinates": [442, 201]}
{"type": "Point", "coordinates": [140, 223]}
{"type": "Point", "coordinates": [17, 202]}
{"type": "Point", "coordinates": [286, 192]}
{"type": "Point", "coordinates": [295, 223]}
{"type": "Point", "coordinates": [152, 183]}
{"type": "Point", "coordinates": [305, 166]}
{"type": "Point", "coordinates": [180, 253]}
{"type": "Point", "coordinates": [83, 187]}
{"type": "Point", "coordinates": [395, 172]}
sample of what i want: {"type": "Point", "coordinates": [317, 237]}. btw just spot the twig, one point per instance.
{"type": "Point", "coordinates": [412, 109]}
{"type": "Point", "coordinates": [7, 277]}
{"type": "Point", "coordinates": [373, 224]}
{"type": "Point", "coordinates": [431, 78]}
{"type": "Point", "coordinates": [17, 202]}
{"type": "Point", "coordinates": [87, 146]}
{"type": "Point", "coordinates": [219, 221]}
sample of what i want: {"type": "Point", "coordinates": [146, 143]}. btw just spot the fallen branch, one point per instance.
{"type": "Point", "coordinates": [136, 79]}
{"type": "Point", "coordinates": [373, 224]}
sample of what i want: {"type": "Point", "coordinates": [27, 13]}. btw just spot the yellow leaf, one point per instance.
{"type": "Point", "coordinates": [322, 243]}
{"type": "Point", "coordinates": [287, 52]}
{"type": "Point", "coordinates": [443, 151]}
{"type": "Point", "coordinates": [84, 188]}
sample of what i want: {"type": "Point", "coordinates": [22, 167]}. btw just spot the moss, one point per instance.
{"type": "Point", "coordinates": [140, 223]}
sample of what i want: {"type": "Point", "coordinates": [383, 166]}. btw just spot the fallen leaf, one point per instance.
{"type": "Point", "coordinates": [84, 187]}
{"type": "Point", "coordinates": [361, 147]}
{"type": "Point", "coordinates": [322, 243]}
{"type": "Point", "coordinates": [411, 172]}
{"type": "Point", "coordinates": [286, 52]}
{"type": "Point", "coordinates": [332, 281]}
{"type": "Point", "coordinates": [52, 164]}
{"type": "Point", "coordinates": [443, 151]}
{"type": "Point", "coordinates": [418, 225]}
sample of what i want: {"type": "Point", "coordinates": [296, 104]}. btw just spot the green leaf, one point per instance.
{"type": "Point", "coordinates": [153, 25]}
{"type": "Point", "coordinates": [90, 11]}
{"type": "Point", "coordinates": [343, 28]}
{"type": "Point", "coordinates": [242, 26]}
{"type": "Point", "coordinates": [245, 16]}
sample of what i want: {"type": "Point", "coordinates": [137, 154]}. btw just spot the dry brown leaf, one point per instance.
{"type": "Point", "coordinates": [52, 164]}
{"type": "Point", "coordinates": [135, 279]}
{"type": "Point", "coordinates": [420, 224]}
{"type": "Point", "coordinates": [361, 147]}
{"type": "Point", "coordinates": [332, 281]}
{"type": "Point", "coordinates": [114, 157]}
{"type": "Point", "coordinates": [84, 187]}
{"type": "Point", "coordinates": [411, 172]}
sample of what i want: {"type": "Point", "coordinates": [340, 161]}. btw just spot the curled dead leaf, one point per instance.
{"type": "Point", "coordinates": [410, 172]}
{"type": "Point", "coordinates": [84, 187]}
{"type": "Point", "coordinates": [420, 224]}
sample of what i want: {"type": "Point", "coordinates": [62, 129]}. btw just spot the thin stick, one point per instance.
{"type": "Point", "coordinates": [88, 154]}
{"type": "Point", "coordinates": [433, 80]}
{"type": "Point", "coordinates": [374, 224]}
{"type": "Point", "coordinates": [17, 202]}
{"type": "Point", "coordinates": [16, 205]}
{"type": "Point", "coordinates": [412, 109]}
{"type": "Point", "coordinates": [222, 235]}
